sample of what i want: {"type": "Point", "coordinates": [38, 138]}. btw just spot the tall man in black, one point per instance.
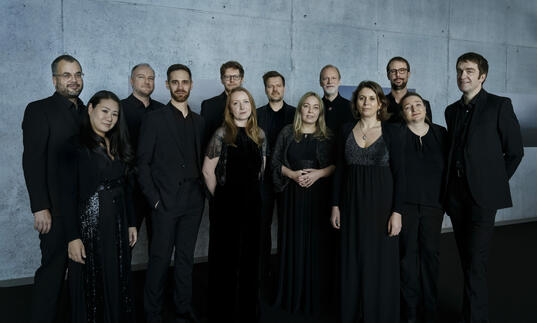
{"type": "Point", "coordinates": [271, 117]}
{"type": "Point", "coordinates": [398, 72]}
{"type": "Point", "coordinates": [212, 110]}
{"type": "Point", "coordinates": [169, 162]}
{"type": "Point", "coordinates": [135, 107]}
{"type": "Point", "coordinates": [46, 128]}
{"type": "Point", "coordinates": [337, 109]}
{"type": "Point", "coordinates": [485, 150]}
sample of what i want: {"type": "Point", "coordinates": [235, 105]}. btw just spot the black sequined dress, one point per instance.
{"type": "Point", "coordinates": [100, 288]}
{"type": "Point", "coordinates": [369, 257]}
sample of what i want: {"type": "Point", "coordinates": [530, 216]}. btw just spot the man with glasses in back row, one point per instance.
{"type": "Point", "coordinates": [398, 72]}
{"type": "Point", "coordinates": [46, 128]}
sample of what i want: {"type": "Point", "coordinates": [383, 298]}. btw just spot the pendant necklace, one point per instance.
{"type": "Point", "coordinates": [364, 137]}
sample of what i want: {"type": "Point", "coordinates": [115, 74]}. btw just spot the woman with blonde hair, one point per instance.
{"type": "Point", "coordinates": [233, 166]}
{"type": "Point", "coordinates": [301, 162]}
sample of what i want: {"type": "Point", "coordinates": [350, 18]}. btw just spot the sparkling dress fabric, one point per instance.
{"type": "Point", "coordinates": [369, 257]}
{"type": "Point", "coordinates": [100, 289]}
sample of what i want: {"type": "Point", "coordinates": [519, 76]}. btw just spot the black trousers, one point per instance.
{"type": "Point", "coordinates": [173, 229]}
{"type": "Point", "coordinates": [142, 210]}
{"type": "Point", "coordinates": [49, 277]}
{"type": "Point", "coordinates": [419, 246]}
{"type": "Point", "coordinates": [473, 227]}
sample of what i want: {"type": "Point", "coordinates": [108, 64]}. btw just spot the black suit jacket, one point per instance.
{"type": "Point", "coordinates": [493, 149]}
{"type": "Point", "coordinates": [46, 128]}
{"type": "Point", "coordinates": [161, 159]}
{"type": "Point", "coordinates": [212, 111]}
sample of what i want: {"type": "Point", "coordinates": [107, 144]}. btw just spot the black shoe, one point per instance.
{"type": "Point", "coordinates": [187, 317]}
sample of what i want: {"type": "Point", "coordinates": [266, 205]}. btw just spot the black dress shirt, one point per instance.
{"type": "Point", "coordinates": [395, 109]}
{"type": "Point", "coordinates": [134, 110]}
{"type": "Point", "coordinates": [425, 162]}
{"type": "Point", "coordinates": [337, 113]}
{"type": "Point", "coordinates": [272, 122]}
{"type": "Point", "coordinates": [464, 114]}
{"type": "Point", "coordinates": [187, 135]}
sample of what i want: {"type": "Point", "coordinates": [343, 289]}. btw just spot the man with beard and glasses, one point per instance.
{"type": "Point", "coordinates": [169, 164]}
{"type": "Point", "coordinates": [337, 109]}
{"type": "Point", "coordinates": [135, 107]}
{"type": "Point", "coordinates": [271, 117]}
{"type": "Point", "coordinates": [398, 72]}
{"type": "Point", "coordinates": [46, 128]}
{"type": "Point", "coordinates": [212, 110]}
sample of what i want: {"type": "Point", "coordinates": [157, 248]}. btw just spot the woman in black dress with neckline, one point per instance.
{"type": "Point", "coordinates": [369, 184]}
{"type": "Point", "coordinates": [99, 219]}
{"type": "Point", "coordinates": [425, 156]}
{"type": "Point", "coordinates": [301, 162]}
{"type": "Point", "coordinates": [233, 166]}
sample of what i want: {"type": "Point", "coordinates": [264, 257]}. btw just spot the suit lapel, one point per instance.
{"type": "Point", "coordinates": [172, 127]}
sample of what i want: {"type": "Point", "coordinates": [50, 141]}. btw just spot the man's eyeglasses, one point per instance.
{"type": "Point", "coordinates": [231, 77]}
{"type": "Point", "coordinates": [68, 76]}
{"type": "Point", "coordinates": [398, 71]}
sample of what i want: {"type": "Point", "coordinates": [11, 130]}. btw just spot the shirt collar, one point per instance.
{"type": "Point", "coordinates": [63, 101]}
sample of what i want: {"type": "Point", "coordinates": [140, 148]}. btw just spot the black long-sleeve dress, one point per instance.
{"type": "Point", "coordinates": [235, 228]}
{"type": "Point", "coordinates": [304, 214]}
{"type": "Point", "coordinates": [98, 211]}
{"type": "Point", "coordinates": [368, 186]}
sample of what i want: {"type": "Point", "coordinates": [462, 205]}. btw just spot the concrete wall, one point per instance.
{"type": "Point", "coordinates": [296, 37]}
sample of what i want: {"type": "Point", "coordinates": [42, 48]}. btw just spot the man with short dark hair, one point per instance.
{"type": "Point", "coordinates": [271, 117]}
{"type": "Point", "coordinates": [135, 106]}
{"type": "Point", "coordinates": [169, 163]}
{"type": "Point", "coordinates": [398, 72]}
{"type": "Point", "coordinates": [212, 110]}
{"type": "Point", "coordinates": [337, 109]}
{"type": "Point", "coordinates": [46, 128]}
{"type": "Point", "coordinates": [485, 150]}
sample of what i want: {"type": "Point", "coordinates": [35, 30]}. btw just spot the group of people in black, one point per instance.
{"type": "Point", "coordinates": [360, 188]}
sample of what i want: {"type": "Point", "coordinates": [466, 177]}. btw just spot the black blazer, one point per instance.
{"type": "Point", "coordinates": [160, 157]}
{"type": "Point", "coordinates": [212, 111]}
{"type": "Point", "coordinates": [493, 149]}
{"type": "Point", "coordinates": [46, 128]}
{"type": "Point", "coordinates": [393, 136]}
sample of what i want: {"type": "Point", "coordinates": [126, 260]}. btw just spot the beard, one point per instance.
{"type": "Point", "coordinates": [180, 96]}
{"type": "Point", "coordinates": [69, 92]}
{"type": "Point", "coordinates": [398, 87]}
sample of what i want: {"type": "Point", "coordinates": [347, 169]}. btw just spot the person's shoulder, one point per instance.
{"type": "Point", "coordinates": [213, 100]}
{"type": "Point", "coordinates": [393, 128]}
{"type": "Point", "coordinates": [494, 98]}
{"type": "Point", "coordinates": [156, 114]}
{"type": "Point", "coordinates": [44, 103]}
{"type": "Point", "coordinates": [287, 129]}
{"type": "Point", "coordinates": [439, 129]}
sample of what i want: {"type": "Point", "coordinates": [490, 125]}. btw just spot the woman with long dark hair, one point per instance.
{"type": "Point", "coordinates": [369, 186]}
{"type": "Point", "coordinates": [301, 162]}
{"type": "Point", "coordinates": [99, 219]}
{"type": "Point", "coordinates": [233, 166]}
{"type": "Point", "coordinates": [425, 156]}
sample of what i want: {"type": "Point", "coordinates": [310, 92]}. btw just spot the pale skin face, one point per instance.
{"type": "Point", "coordinates": [310, 111]}
{"type": "Point", "coordinates": [143, 81]}
{"type": "Point", "coordinates": [179, 85]}
{"type": "Point", "coordinates": [231, 79]}
{"type": "Point", "coordinates": [240, 107]}
{"type": "Point", "coordinates": [413, 109]}
{"type": "Point", "coordinates": [330, 81]}
{"type": "Point", "coordinates": [468, 79]}
{"type": "Point", "coordinates": [68, 79]}
{"type": "Point", "coordinates": [398, 75]}
{"type": "Point", "coordinates": [367, 103]}
{"type": "Point", "coordinates": [275, 89]}
{"type": "Point", "coordinates": [103, 116]}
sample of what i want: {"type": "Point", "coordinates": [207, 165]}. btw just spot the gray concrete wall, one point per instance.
{"type": "Point", "coordinates": [296, 37]}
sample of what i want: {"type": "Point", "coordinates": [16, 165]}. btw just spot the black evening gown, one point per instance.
{"type": "Point", "coordinates": [369, 257]}
{"type": "Point", "coordinates": [302, 212]}
{"type": "Point", "coordinates": [236, 225]}
{"type": "Point", "coordinates": [100, 289]}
